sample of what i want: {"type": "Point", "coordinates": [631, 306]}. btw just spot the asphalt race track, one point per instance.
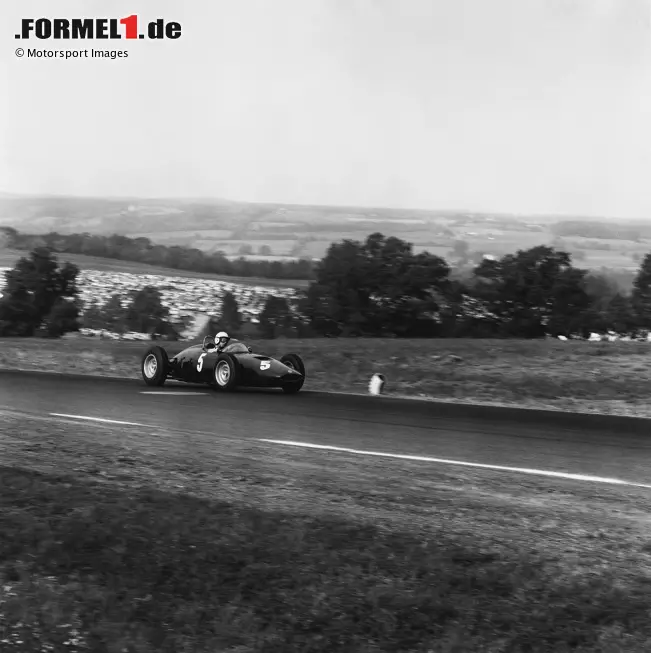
{"type": "Point", "coordinates": [613, 447]}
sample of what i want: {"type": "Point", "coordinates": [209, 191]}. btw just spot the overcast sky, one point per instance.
{"type": "Point", "coordinates": [533, 106]}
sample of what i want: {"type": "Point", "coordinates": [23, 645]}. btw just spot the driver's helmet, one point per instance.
{"type": "Point", "coordinates": [221, 339]}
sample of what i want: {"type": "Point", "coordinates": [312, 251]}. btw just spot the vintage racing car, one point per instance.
{"type": "Point", "coordinates": [235, 366]}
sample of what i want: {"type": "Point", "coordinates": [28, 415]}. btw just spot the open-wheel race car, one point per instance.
{"type": "Point", "coordinates": [235, 365]}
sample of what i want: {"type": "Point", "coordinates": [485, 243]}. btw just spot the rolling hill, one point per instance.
{"type": "Point", "coordinates": [292, 231]}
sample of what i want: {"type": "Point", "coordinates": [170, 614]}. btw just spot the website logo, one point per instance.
{"type": "Point", "coordinates": [128, 27]}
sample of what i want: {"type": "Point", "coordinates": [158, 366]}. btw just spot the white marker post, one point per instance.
{"type": "Point", "coordinates": [376, 385]}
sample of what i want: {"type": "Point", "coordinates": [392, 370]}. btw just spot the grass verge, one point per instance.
{"type": "Point", "coordinates": [124, 540]}
{"type": "Point", "coordinates": [611, 377]}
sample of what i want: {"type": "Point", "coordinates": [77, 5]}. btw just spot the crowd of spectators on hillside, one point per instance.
{"type": "Point", "coordinates": [188, 299]}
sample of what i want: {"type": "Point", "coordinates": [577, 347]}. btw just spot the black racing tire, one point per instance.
{"type": "Point", "coordinates": [295, 362]}
{"type": "Point", "coordinates": [155, 366]}
{"type": "Point", "coordinates": [225, 374]}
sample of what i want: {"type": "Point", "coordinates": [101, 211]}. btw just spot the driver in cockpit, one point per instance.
{"type": "Point", "coordinates": [221, 340]}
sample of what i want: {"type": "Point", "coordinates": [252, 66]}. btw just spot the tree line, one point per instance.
{"type": "Point", "coordinates": [602, 230]}
{"type": "Point", "coordinates": [380, 287]}
{"type": "Point", "coordinates": [142, 250]}
{"type": "Point", "coordinates": [375, 287]}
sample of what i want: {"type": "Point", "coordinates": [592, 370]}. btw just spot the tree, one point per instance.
{"type": "Point", "coordinates": [146, 313]}
{"type": "Point", "coordinates": [63, 318]}
{"type": "Point", "coordinates": [338, 298]}
{"type": "Point", "coordinates": [33, 288]}
{"type": "Point", "coordinates": [601, 290]}
{"type": "Point", "coordinates": [569, 303]}
{"type": "Point", "coordinates": [533, 292]}
{"type": "Point", "coordinates": [114, 315]}
{"type": "Point", "coordinates": [7, 237]}
{"type": "Point", "coordinates": [620, 316]}
{"type": "Point", "coordinates": [230, 319]}
{"type": "Point", "coordinates": [245, 249]}
{"type": "Point", "coordinates": [376, 287]}
{"type": "Point", "coordinates": [641, 295]}
{"type": "Point", "coordinates": [167, 329]}
{"type": "Point", "coordinates": [93, 317]}
{"type": "Point", "coordinates": [265, 250]}
{"type": "Point", "coordinates": [276, 317]}
{"type": "Point", "coordinates": [598, 285]}
{"type": "Point", "coordinates": [18, 316]}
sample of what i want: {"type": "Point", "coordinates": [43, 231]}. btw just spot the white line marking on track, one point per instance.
{"type": "Point", "coordinates": [427, 459]}
{"type": "Point", "coordinates": [176, 394]}
{"type": "Point", "coordinates": [99, 419]}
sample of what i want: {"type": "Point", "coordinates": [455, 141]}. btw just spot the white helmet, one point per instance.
{"type": "Point", "coordinates": [222, 338]}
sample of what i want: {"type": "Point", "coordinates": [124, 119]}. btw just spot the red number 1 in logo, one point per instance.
{"type": "Point", "coordinates": [131, 24]}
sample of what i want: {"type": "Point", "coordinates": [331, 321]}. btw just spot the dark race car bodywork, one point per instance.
{"type": "Point", "coordinates": [236, 366]}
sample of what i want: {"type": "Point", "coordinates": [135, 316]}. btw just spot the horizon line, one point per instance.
{"type": "Point", "coordinates": [222, 200]}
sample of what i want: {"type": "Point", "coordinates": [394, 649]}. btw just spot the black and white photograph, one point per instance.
{"type": "Point", "coordinates": [325, 326]}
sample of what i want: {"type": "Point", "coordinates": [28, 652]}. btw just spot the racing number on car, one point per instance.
{"type": "Point", "coordinates": [265, 365]}
{"type": "Point", "coordinates": [200, 361]}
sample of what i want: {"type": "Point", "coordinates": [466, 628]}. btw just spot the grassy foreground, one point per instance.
{"type": "Point", "coordinates": [609, 377]}
{"type": "Point", "coordinates": [143, 541]}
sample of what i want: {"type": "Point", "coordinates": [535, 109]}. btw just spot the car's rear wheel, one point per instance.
{"type": "Point", "coordinates": [296, 363]}
{"type": "Point", "coordinates": [155, 366]}
{"type": "Point", "coordinates": [225, 375]}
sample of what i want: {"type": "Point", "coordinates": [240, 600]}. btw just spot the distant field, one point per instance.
{"type": "Point", "coordinates": [599, 258]}
{"type": "Point", "coordinates": [212, 225]}
{"type": "Point", "coordinates": [8, 258]}
{"type": "Point", "coordinates": [232, 247]}
{"type": "Point", "coordinates": [614, 244]}
{"type": "Point", "coordinates": [609, 377]}
{"type": "Point", "coordinates": [316, 248]}
{"type": "Point", "coordinates": [203, 233]}
{"type": "Point", "coordinates": [260, 257]}
{"type": "Point", "coordinates": [506, 242]}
